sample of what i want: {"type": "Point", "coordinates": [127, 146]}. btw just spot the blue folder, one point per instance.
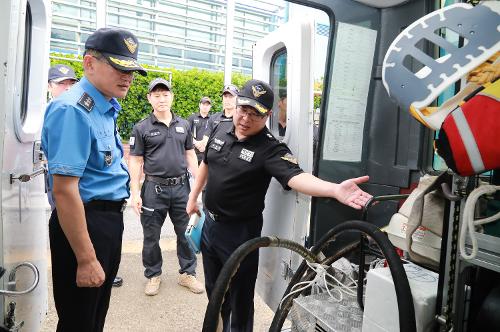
{"type": "Point", "coordinates": [193, 231]}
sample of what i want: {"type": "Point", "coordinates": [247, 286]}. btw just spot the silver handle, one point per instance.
{"type": "Point", "coordinates": [12, 280]}
{"type": "Point", "coordinates": [27, 177]}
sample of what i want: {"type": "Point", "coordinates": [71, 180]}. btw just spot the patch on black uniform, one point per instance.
{"type": "Point", "coordinates": [246, 155]}
{"type": "Point", "coordinates": [290, 158]}
{"type": "Point", "coordinates": [154, 132]}
{"type": "Point", "coordinates": [86, 102]}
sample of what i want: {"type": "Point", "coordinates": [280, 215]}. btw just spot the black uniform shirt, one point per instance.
{"type": "Point", "coordinates": [215, 119]}
{"type": "Point", "coordinates": [239, 172]}
{"type": "Point", "coordinates": [199, 128]}
{"type": "Point", "coordinates": [163, 148]}
{"type": "Point", "coordinates": [199, 125]}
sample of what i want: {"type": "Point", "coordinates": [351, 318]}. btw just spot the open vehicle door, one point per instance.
{"type": "Point", "coordinates": [284, 59]}
{"type": "Point", "coordinates": [361, 130]}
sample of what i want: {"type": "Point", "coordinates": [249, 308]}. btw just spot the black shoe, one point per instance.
{"type": "Point", "coordinates": [118, 282]}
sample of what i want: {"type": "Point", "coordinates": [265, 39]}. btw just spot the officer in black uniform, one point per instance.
{"type": "Point", "coordinates": [162, 146]}
{"type": "Point", "coordinates": [229, 94]}
{"type": "Point", "coordinates": [198, 123]}
{"type": "Point", "coordinates": [240, 159]}
{"type": "Point", "coordinates": [89, 180]}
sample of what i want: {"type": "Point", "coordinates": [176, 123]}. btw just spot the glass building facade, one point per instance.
{"type": "Point", "coordinates": [182, 34]}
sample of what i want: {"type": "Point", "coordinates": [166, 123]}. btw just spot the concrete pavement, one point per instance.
{"type": "Point", "coordinates": [174, 309]}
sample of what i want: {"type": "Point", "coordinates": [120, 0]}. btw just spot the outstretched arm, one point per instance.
{"type": "Point", "coordinates": [347, 192]}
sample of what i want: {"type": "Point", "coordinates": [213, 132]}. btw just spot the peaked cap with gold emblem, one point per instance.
{"type": "Point", "coordinates": [118, 46]}
{"type": "Point", "coordinates": [257, 94]}
{"type": "Point", "coordinates": [59, 73]}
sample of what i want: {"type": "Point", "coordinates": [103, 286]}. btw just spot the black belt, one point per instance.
{"type": "Point", "coordinates": [167, 181]}
{"type": "Point", "coordinates": [102, 205]}
{"type": "Point", "coordinates": [220, 218]}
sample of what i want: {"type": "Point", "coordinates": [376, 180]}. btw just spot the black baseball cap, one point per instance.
{"type": "Point", "coordinates": [59, 73]}
{"type": "Point", "coordinates": [119, 47]}
{"type": "Point", "coordinates": [231, 88]}
{"type": "Point", "coordinates": [205, 100]}
{"type": "Point", "coordinates": [257, 94]}
{"type": "Point", "coordinates": [159, 81]}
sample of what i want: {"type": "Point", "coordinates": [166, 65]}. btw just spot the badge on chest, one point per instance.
{"type": "Point", "coordinates": [217, 144]}
{"type": "Point", "coordinates": [108, 158]}
{"type": "Point", "coordinates": [154, 133]}
{"type": "Point", "coordinates": [179, 130]}
{"type": "Point", "coordinates": [246, 155]}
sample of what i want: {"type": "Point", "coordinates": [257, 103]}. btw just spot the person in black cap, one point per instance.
{"type": "Point", "coordinates": [161, 145]}
{"type": "Point", "coordinates": [61, 79]}
{"type": "Point", "coordinates": [199, 126]}
{"type": "Point", "coordinates": [229, 93]}
{"type": "Point", "coordinates": [89, 180]}
{"type": "Point", "coordinates": [239, 162]}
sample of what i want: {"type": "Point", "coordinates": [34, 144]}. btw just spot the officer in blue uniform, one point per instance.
{"type": "Point", "coordinates": [89, 180]}
{"type": "Point", "coordinates": [240, 159]}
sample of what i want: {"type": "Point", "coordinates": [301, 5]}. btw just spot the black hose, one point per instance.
{"type": "Point", "coordinates": [403, 293]}
{"type": "Point", "coordinates": [229, 269]}
{"type": "Point", "coordinates": [401, 285]}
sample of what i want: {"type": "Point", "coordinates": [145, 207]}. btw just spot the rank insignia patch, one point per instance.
{"type": "Point", "coordinates": [86, 102]}
{"type": "Point", "coordinates": [290, 158]}
{"type": "Point", "coordinates": [246, 155]}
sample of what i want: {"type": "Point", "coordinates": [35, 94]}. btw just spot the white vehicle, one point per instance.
{"type": "Point", "coordinates": [24, 36]}
{"type": "Point", "coordinates": [361, 131]}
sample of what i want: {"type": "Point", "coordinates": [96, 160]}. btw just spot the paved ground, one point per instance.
{"type": "Point", "coordinates": [173, 309]}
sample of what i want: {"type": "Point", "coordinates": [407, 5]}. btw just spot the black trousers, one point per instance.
{"type": "Point", "coordinates": [158, 201]}
{"type": "Point", "coordinates": [219, 241]}
{"type": "Point", "coordinates": [83, 309]}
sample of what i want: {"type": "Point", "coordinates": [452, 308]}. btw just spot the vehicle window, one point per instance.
{"type": "Point", "coordinates": [26, 66]}
{"type": "Point", "coordinates": [279, 85]}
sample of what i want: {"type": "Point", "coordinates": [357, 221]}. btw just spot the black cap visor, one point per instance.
{"type": "Point", "coordinates": [244, 101]}
{"type": "Point", "coordinates": [124, 63]}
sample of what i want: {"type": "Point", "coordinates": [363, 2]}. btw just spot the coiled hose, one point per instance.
{"type": "Point", "coordinates": [403, 293]}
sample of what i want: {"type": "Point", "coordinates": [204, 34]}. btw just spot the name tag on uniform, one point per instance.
{"type": "Point", "coordinates": [219, 141]}
{"type": "Point", "coordinates": [179, 130]}
{"type": "Point", "coordinates": [215, 147]}
{"type": "Point", "coordinates": [196, 120]}
{"type": "Point", "coordinates": [246, 155]}
{"type": "Point", "coordinates": [154, 133]}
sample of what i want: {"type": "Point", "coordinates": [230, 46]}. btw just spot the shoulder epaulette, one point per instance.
{"type": "Point", "coordinates": [86, 102]}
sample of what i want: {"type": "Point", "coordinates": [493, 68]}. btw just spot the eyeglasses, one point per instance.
{"type": "Point", "coordinates": [250, 113]}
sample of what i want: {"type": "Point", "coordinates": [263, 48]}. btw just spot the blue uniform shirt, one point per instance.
{"type": "Point", "coordinates": [79, 139]}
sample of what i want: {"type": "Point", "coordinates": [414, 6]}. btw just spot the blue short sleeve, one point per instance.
{"type": "Point", "coordinates": [66, 139]}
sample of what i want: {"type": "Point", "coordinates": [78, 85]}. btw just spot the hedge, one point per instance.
{"type": "Point", "coordinates": [188, 87]}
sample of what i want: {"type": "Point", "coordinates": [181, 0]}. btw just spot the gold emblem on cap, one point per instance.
{"type": "Point", "coordinates": [261, 109]}
{"type": "Point", "coordinates": [258, 91]}
{"type": "Point", "coordinates": [124, 63]}
{"type": "Point", "coordinates": [131, 44]}
{"type": "Point", "coordinates": [63, 70]}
